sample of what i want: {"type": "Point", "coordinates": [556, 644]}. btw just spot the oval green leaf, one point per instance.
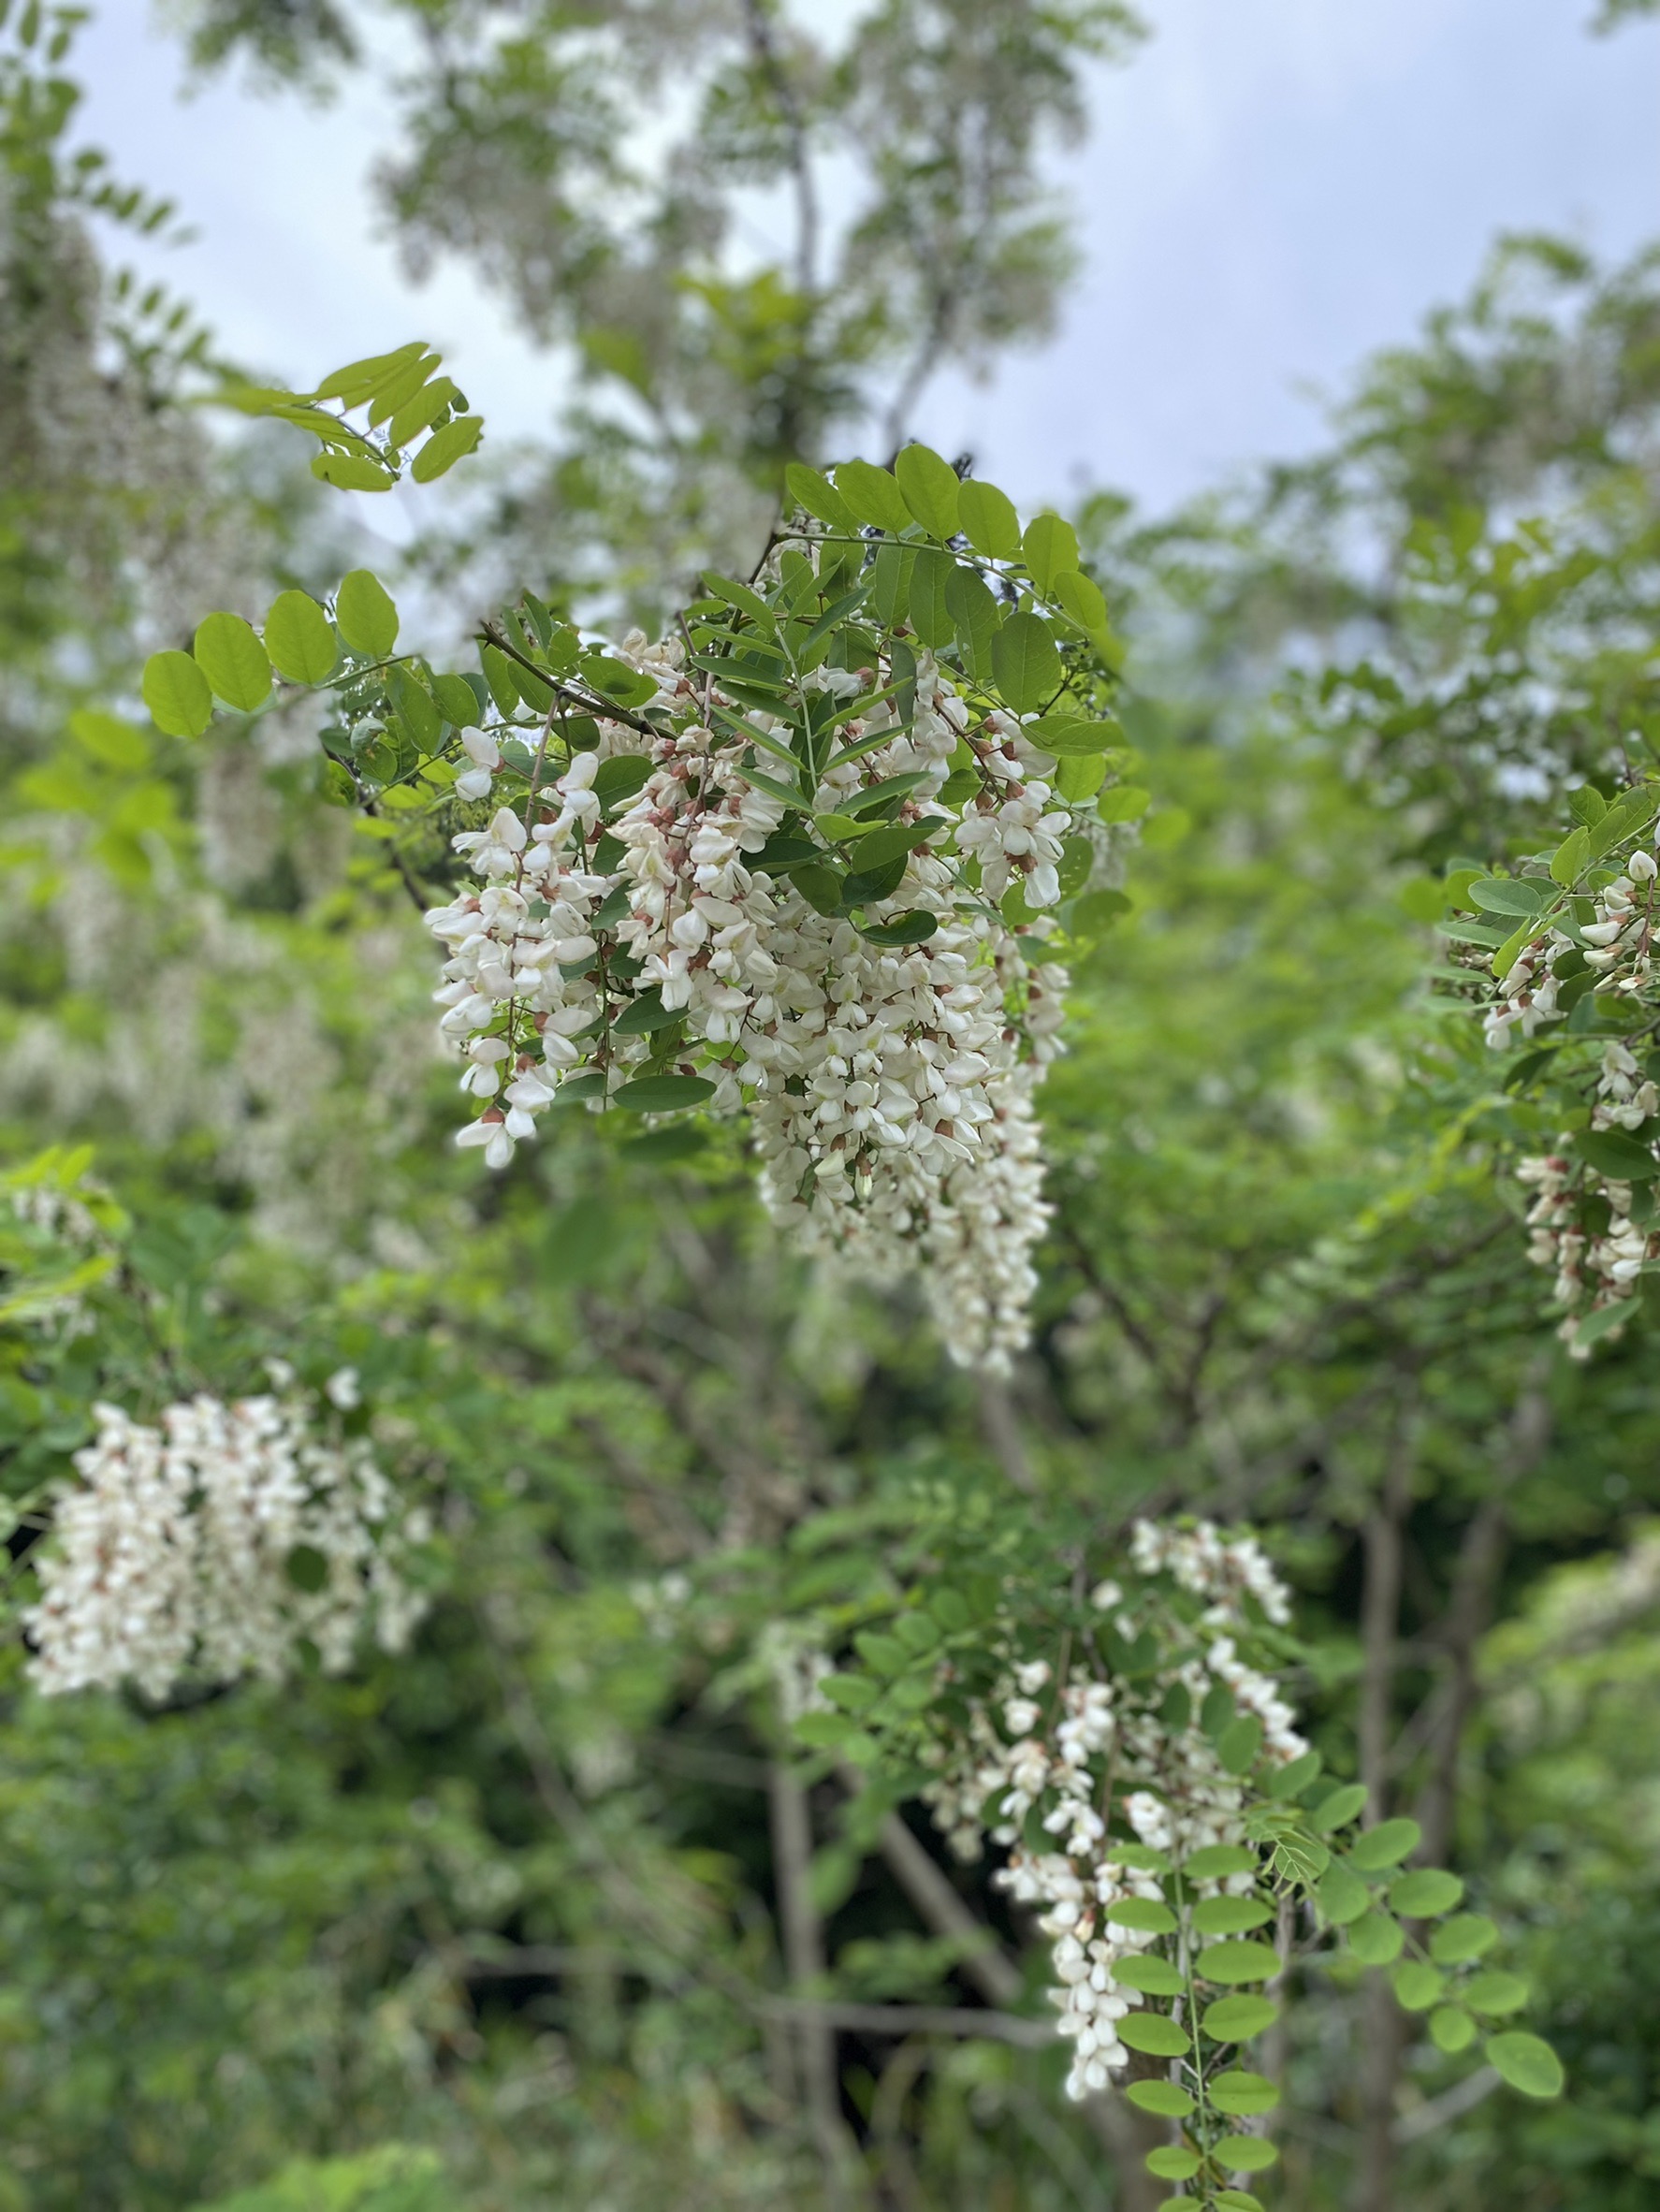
{"type": "Point", "coordinates": [1244, 2154]}
{"type": "Point", "coordinates": [1425, 1893]}
{"type": "Point", "coordinates": [1026, 665]}
{"type": "Point", "coordinates": [1236, 2020]}
{"type": "Point", "coordinates": [300, 639]}
{"type": "Point", "coordinates": [1509, 894]}
{"type": "Point", "coordinates": [913, 929]}
{"type": "Point", "coordinates": [447, 446]}
{"type": "Point", "coordinates": [234, 662]}
{"type": "Point", "coordinates": [351, 471]}
{"type": "Point", "coordinates": [1527, 2063]}
{"type": "Point", "coordinates": [1375, 1939]}
{"type": "Point", "coordinates": [663, 1094]}
{"type": "Point", "coordinates": [988, 520]}
{"type": "Point", "coordinates": [1291, 1780]}
{"type": "Point", "coordinates": [176, 693]}
{"type": "Point", "coordinates": [1162, 2097]}
{"type": "Point", "coordinates": [1153, 2033]}
{"type": "Point", "coordinates": [1240, 2095]}
{"type": "Point", "coordinates": [1452, 2029]}
{"type": "Point", "coordinates": [1467, 1936]}
{"type": "Point", "coordinates": [1170, 2162]}
{"type": "Point", "coordinates": [1216, 1861]}
{"type": "Point", "coordinates": [1618, 1157]}
{"type": "Point", "coordinates": [1495, 1993]}
{"type": "Point", "coordinates": [1081, 598]}
{"type": "Point", "coordinates": [873, 496]}
{"type": "Point", "coordinates": [459, 699]}
{"type": "Point", "coordinates": [819, 496]}
{"type": "Point", "coordinates": [930, 487]}
{"type": "Point", "coordinates": [1338, 1808]}
{"type": "Point", "coordinates": [1049, 549]}
{"type": "Point", "coordinates": [1385, 1845]}
{"type": "Point", "coordinates": [1419, 1985]}
{"type": "Point", "coordinates": [366, 617]}
{"type": "Point", "coordinates": [930, 608]}
{"type": "Point", "coordinates": [1341, 1895]}
{"type": "Point", "coordinates": [1239, 1743]}
{"type": "Point", "coordinates": [1238, 1962]}
{"type": "Point", "coordinates": [1149, 1974]}
{"type": "Point", "coordinates": [1143, 1914]}
{"type": "Point", "coordinates": [821, 887]}
{"type": "Point", "coordinates": [1229, 1916]}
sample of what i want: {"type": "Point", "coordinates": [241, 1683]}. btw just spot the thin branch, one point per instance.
{"type": "Point", "coordinates": [757, 18]}
{"type": "Point", "coordinates": [1000, 1425]}
{"type": "Point", "coordinates": [1380, 1601]}
{"type": "Point", "coordinates": [494, 635]}
{"type": "Point", "coordinates": [987, 1965]}
{"type": "Point", "coordinates": [918, 2019]}
{"type": "Point", "coordinates": [803, 1961]}
{"type": "Point", "coordinates": [1451, 2105]}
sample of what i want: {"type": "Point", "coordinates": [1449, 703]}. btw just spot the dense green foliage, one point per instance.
{"type": "Point", "coordinates": [560, 1905]}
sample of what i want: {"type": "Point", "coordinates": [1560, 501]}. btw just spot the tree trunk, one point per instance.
{"type": "Point", "coordinates": [804, 1962]}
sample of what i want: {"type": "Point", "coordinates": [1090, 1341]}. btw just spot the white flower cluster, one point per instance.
{"type": "Point", "coordinates": [1595, 1270]}
{"type": "Point", "coordinates": [174, 1555]}
{"type": "Point", "coordinates": [887, 1088]}
{"type": "Point", "coordinates": [1617, 947]}
{"type": "Point", "coordinates": [1592, 1269]}
{"type": "Point", "coordinates": [1086, 1746]}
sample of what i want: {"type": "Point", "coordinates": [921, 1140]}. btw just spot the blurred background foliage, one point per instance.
{"type": "Point", "coordinates": [498, 1924]}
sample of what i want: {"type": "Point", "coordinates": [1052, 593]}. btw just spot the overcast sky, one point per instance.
{"type": "Point", "coordinates": [1271, 190]}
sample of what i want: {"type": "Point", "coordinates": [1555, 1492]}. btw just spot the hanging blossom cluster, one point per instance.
{"type": "Point", "coordinates": [208, 1547]}
{"type": "Point", "coordinates": [1087, 1748]}
{"type": "Point", "coordinates": [888, 1088]}
{"type": "Point", "coordinates": [1594, 1266]}
{"type": "Point", "coordinates": [1615, 947]}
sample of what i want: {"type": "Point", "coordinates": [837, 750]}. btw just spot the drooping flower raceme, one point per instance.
{"type": "Point", "coordinates": [885, 1071]}
{"type": "Point", "coordinates": [1592, 1227]}
{"type": "Point", "coordinates": [1089, 1752]}
{"type": "Point", "coordinates": [208, 1547]}
{"type": "Point", "coordinates": [811, 865]}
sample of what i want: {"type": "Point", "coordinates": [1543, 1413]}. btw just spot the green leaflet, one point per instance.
{"type": "Point", "coordinates": [1425, 1893]}
{"type": "Point", "coordinates": [364, 612]}
{"type": "Point", "coordinates": [930, 487]}
{"type": "Point", "coordinates": [988, 520]}
{"type": "Point", "coordinates": [1237, 2019]}
{"type": "Point", "coordinates": [177, 694]}
{"type": "Point", "coordinates": [663, 1094]}
{"type": "Point", "coordinates": [1153, 2033]}
{"type": "Point", "coordinates": [931, 616]}
{"type": "Point", "coordinates": [1026, 663]}
{"type": "Point", "coordinates": [872, 496]}
{"type": "Point", "coordinates": [1049, 549]}
{"type": "Point", "coordinates": [1241, 1961]}
{"type": "Point", "coordinates": [447, 446]}
{"type": "Point", "coordinates": [300, 639]}
{"type": "Point", "coordinates": [1527, 2063]}
{"type": "Point", "coordinates": [234, 662]}
{"type": "Point", "coordinates": [1229, 1916]}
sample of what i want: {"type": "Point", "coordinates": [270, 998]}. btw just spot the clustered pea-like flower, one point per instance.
{"type": "Point", "coordinates": [175, 1554]}
{"type": "Point", "coordinates": [1595, 1267]}
{"type": "Point", "coordinates": [887, 1086]}
{"type": "Point", "coordinates": [1595, 1263]}
{"type": "Point", "coordinates": [1084, 1748]}
{"type": "Point", "coordinates": [1615, 947]}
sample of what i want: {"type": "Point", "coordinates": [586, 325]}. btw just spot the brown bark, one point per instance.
{"type": "Point", "coordinates": [987, 1965]}
{"type": "Point", "coordinates": [1380, 1632]}
{"type": "Point", "coordinates": [803, 1933]}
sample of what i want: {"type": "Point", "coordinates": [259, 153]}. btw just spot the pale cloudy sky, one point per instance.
{"type": "Point", "coordinates": [1271, 190]}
